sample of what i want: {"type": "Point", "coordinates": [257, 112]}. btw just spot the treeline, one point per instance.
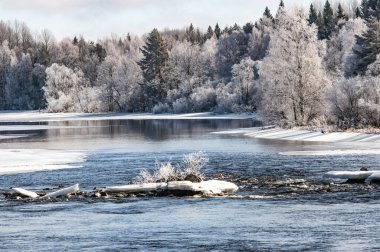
{"type": "Point", "coordinates": [295, 68]}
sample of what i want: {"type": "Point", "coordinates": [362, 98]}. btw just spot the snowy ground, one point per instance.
{"type": "Point", "coordinates": [359, 143]}
{"type": "Point", "coordinates": [30, 160]}
{"type": "Point", "coordinates": [305, 135]}
{"type": "Point", "coordinates": [35, 116]}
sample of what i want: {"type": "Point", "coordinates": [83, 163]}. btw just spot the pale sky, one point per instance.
{"type": "Point", "coordinates": [99, 18]}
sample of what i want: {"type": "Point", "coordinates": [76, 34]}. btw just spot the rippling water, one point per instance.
{"type": "Point", "coordinates": [283, 204]}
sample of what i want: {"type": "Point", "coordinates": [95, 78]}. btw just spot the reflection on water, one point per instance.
{"type": "Point", "coordinates": [342, 218]}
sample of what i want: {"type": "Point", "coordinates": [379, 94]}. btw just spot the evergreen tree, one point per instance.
{"type": "Point", "coordinates": [340, 13]}
{"type": "Point", "coordinates": [365, 12]}
{"type": "Point", "coordinates": [357, 13]}
{"type": "Point", "coordinates": [321, 26]}
{"type": "Point", "coordinates": [268, 14]}
{"type": "Point", "coordinates": [154, 66]}
{"type": "Point", "coordinates": [75, 40]}
{"type": "Point", "coordinates": [248, 28]}
{"type": "Point", "coordinates": [328, 21]}
{"type": "Point", "coordinates": [191, 34]}
{"type": "Point", "coordinates": [313, 16]}
{"type": "Point", "coordinates": [367, 47]}
{"type": "Point", "coordinates": [280, 8]}
{"type": "Point", "coordinates": [217, 31]}
{"type": "Point", "coordinates": [210, 33]}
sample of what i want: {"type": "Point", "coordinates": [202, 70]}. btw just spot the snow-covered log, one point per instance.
{"type": "Point", "coordinates": [375, 177]}
{"type": "Point", "coordinates": [63, 192]}
{"type": "Point", "coordinates": [204, 187]}
{"type": "Point", "coordinates": [366, 176]}
{"type": "Point", "coordinates": [138, 188]}
{"type": "Point", "coordinates": [26, 193]}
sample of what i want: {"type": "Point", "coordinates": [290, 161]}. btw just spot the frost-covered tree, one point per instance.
{"type": "Point", "coordinates": [231, 49]}
{"type": "Point", "coordinates": [340, 59]}
{"type": "Point", "coordinates": [355, 102]}
{"type": "Point", "coordinates": [292, 76]}
{"type": "Point", "coordinates": [243, 81]}
{"type": "Point", "coordinates": [66, 90]}
{"type": "Point", "coordinates": [19, 89]}
{"type": "Point", "coordinates": [119, 79]}
{"type": "Point", "coordinates": [7, 60]}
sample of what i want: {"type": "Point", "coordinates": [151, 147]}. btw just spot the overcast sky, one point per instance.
{"type": "Point", "coordinates": [98, 18]}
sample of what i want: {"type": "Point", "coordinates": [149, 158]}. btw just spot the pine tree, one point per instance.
{"type": "Point", "coordinates": [217, 31]}
{"type": "Point", "coordinates": [313, 16]}
{"type": "Point", "coordinates": [365, 12]}
{"type": "Point", "coordinates": [248, 28]}
{"type": "Point", "coordinates": [367, 47]}
{"type": "Point", "coordinates": [268, 14]}
{"type": "Point", "coordinates": [340, 13]}
{"type": "Point", "coordinates": [75, 40]}
{"type": "Point", "coordinates": [210, 33]}
{"type": "Point", "coordinates": [280, 8]}
{"type": "Point", "coordinates": [357, 12]}
{"type": "Point", "coordinates": [328, 21]}
{"type": "Point", "coordinates": [154, 66]}
{"type": "Point", "coordinates": [321, 26]}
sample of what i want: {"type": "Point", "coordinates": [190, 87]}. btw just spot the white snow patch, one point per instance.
{"type": "Point", "coordinates": [348, 174]}
{"type": "Point", "coordinates": [35, 116]}
{"type": "Point", "coordinates": [26, 193]}
{"type": "Point", "coordinates": [13, 136]}
{"type": "Point", "coordinates": [63, 191]}
{"type": "Point", "coordinates": [206, 187]}
{"type": "Point", "coordinates": [30, 160]}
{"type": "Point", "coordinates": [304, 135]}
{"type": "Point", "coordinates": [367, 176]}
{"type": "Point", "coordinates": [331, 153]}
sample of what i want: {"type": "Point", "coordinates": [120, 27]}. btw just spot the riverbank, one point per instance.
{"type": "Point", "coordinates": [37, 116]}
{"type": "Point", "coordinates": [275, 133]}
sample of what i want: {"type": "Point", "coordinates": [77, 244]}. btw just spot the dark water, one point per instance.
{"type": "Point", "coordinates": [283, 204]}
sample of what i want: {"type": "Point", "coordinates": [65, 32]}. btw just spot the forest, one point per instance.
{"type": "Point", "coordinates": [295, 67]}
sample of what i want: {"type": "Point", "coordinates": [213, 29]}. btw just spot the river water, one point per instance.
{"type": "Point", "coordinates": [282, 205]}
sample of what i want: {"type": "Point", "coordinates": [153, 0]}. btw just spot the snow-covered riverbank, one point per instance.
{"type": "Point", "coordinates": [36, 116]}
{"type": "Point", "coordinates": [304, 135]}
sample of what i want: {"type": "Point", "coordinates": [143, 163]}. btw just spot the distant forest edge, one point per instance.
{"type": "Point", "coordinates": [295, 68]}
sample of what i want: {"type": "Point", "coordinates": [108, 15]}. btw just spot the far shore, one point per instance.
{"type": "Point", "coordinates": [38, 116]}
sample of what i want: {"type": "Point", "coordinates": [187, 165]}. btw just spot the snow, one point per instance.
{"type": "Point", "coordinates": [27, 193]}
{"type": "Point", "coordinates": [331, 153]}
{"type": "Point", "coordinates": [63, 192]}
{"type": "Point", "coordinates": [211, 187]}
{"type": "Point", "coordinates": [146, 187]}
{"type": "Point", "coordinates": [36, 116]}
{"type": "Point", "coordinates": [367, 176]}
{"type": "Point", "coordinates": [374, 177]}
{"type": "Point", "coordinates": [304, 135]}
{"type": "Point", "coordinates": [31, 160]}
{"type": "Point", "coordinates": [359, 175]}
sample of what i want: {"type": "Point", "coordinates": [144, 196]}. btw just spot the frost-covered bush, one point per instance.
{"type": "Point", "coordinates": [165, 172]}
{"type": "Point", "coordinates": [182, 105]}
{"type": "Point", "coordinates": [161, 108]}
{"type": "Point", "coordinates": [226, 98]}
{"type": "Point", "coordinates": [203, 98]}
{"type": "Point", "coordinates": [355, 102]}
{"type": "Point", "coordinates": [193, 163]}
